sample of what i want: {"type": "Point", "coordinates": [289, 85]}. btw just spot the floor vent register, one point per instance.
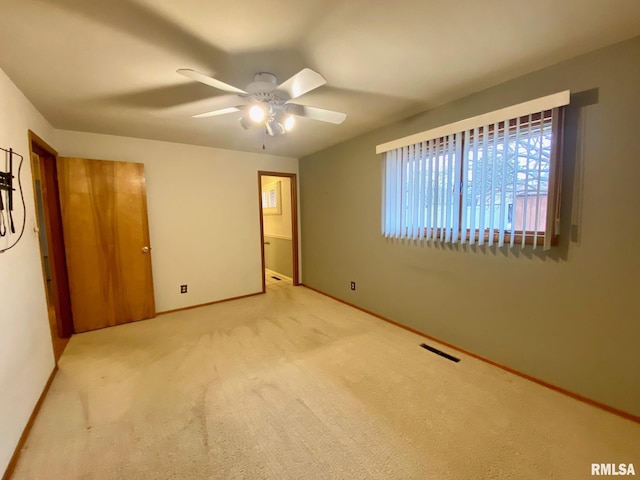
{"type": "Point", "coordinates": [439, 352]}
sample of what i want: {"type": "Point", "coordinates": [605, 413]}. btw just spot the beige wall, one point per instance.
{"type": "Point", "coordinates": [203, 213]}
{"type": "Point", "coordinates": [26, 356]}
{"type": "Point", "coordinates": [572, 317]}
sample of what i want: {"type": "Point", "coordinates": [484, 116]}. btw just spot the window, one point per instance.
{"type": "Point", "coordinates": [480, 182]}
{"type": "Point", "coordinates": [271, 198]}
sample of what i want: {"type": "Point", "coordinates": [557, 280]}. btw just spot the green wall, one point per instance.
{"type": "Point", "coordinates": [278, 255]}
{"type": "Point", "coordinates": [570, 317]}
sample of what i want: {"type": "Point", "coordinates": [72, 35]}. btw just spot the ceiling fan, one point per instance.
{"type": "Point", "coordinates": [264, 102]}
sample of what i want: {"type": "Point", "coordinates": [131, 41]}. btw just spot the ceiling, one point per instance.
{"type": "Point", "coordinates": [109, 66]}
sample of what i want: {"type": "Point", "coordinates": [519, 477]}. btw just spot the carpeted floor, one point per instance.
{"type": "Point", "coordinates": [293, 385]}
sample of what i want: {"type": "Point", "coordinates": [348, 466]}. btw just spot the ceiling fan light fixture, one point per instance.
{"type": "Point", "coordinates": [244, 123]}
{"type": "Point", "coordinates": [256, 113]}
{"type": "Point", "coordinates": [289, 123]}
{"type": "Point", "coordinates": [274, 127]}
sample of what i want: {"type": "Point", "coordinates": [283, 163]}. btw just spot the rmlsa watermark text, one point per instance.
{"type": "Point", "coordinates": [613, 469]}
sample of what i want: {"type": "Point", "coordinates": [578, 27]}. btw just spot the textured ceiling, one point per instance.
{"type": "Point", "coordinates": [110, 66]}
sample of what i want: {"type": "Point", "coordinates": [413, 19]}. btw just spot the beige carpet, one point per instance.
{"type": "Point", "coordinates": [293, 385]}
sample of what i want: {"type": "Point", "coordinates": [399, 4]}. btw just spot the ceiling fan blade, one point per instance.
{"type": "Point", "coordinates": [219, 105]}
{"type": "Point", "coordinates": [207, 80]}
{"type": "Point", "coordinates": [302, 82]}
{"type": "Point", "coordinates": [316, 113]}
{"type": "Point", "coordinates": [215, 113]}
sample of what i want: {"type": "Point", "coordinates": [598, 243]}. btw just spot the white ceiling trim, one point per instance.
{"type": "Point", "coordinates": [555, 100]}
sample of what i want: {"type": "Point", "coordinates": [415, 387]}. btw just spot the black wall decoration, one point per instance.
{"type": "Point", "coordinates": [7, 191]}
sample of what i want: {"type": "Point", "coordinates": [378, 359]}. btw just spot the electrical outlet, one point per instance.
{"type": "Point", "coordinates": [183, 289]}
{"type": "Point", "coordinates": [353, 285]}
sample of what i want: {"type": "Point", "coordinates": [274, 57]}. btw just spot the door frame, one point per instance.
{"type": "Point", "coordinates": [55, 237]}
{"type": "Point", "coordinates": [293, 177]}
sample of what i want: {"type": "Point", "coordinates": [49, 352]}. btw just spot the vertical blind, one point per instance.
{"type": "Point", "coordinates": [493, 183]}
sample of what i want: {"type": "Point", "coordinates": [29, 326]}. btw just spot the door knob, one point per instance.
{"type": "Point", "coordinates": [145, 249]}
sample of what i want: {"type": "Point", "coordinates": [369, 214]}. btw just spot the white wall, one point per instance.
{"type": "Point", "coordinates": [26, 355]}
{"type": "Point", "coordinates": [203, 208]}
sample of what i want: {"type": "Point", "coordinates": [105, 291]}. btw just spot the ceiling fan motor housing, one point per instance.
{"type": "Point", "coordinates": [265, 77]}
{"type": "Point", "coordinates": [263, 89]}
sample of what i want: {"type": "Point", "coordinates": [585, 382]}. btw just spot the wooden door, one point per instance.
{"type": "Point", "coordinates": [104, 215]}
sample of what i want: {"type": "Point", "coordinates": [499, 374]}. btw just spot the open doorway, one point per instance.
{"type": "Point", "coordinates": [49, 222]}
{"type": "Point", "coordinates": [278, 228]}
